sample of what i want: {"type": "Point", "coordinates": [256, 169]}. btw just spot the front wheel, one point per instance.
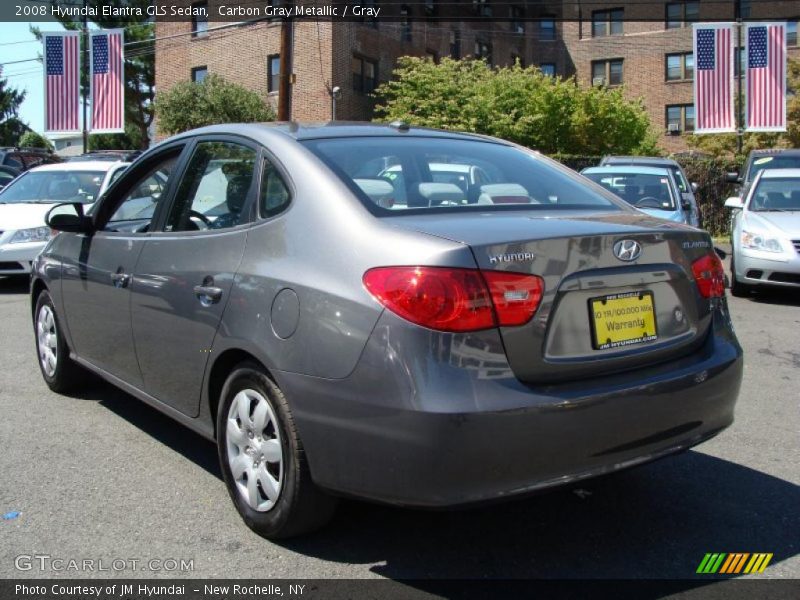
{"type": "Point", "coordinates": [59, 371]}
{"type": "Point", "coordinates": [262, 458]}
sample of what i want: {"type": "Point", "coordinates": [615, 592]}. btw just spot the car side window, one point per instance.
{"type": "Point", "coordinates": [274, 196]}
{"type": "Point", "coordinates": [215, 187]}
{"type": "Point", "coordinates": [135, 210]}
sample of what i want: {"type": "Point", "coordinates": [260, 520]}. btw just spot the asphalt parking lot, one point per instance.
{"type": "Point", "coordinates": [102, 476]}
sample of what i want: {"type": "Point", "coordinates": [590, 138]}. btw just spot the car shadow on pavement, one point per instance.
{"type": "Point", "coordinates": [786, 297]}
{"type": "Point", "coordinates": [15, 284]}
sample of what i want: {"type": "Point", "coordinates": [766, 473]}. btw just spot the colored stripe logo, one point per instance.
{"type": "Point", "coordinates": [734, 563]}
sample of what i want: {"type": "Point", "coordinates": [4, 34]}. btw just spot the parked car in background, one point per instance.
{"type": "Point", "coordinates": [765, 232]}
{"type": "Point", "coordinates": [687, 188]}
{"type": "Point", "coordinates": [759, 160]}
{"type": "Point", "coordinates": [25, 201]}
{"type": "Point", "coordinates": [7, 175]}
{"type": "Point", "coordinates": [652, 190]}
{"type": "Point", "coordinates": [511, 328]}
{"type": "Point", "coordinates": [23, 159]}
{"type": "Point", "coordinates": [107, 155]}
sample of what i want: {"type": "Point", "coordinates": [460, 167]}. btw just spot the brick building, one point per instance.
{"type": "Point", "coordinates": [600, 45]}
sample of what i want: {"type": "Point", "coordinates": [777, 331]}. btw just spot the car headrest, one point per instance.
{"type": "Point", "coordinates": [654, 191]}
{"type": "Point", "coordinates": [236, 192]}
{"type": "Point", "coordinates": [379, 190]}
{"type": "Point", "coordinates": [61, 189]}
{"type": "Point", "coordinates": [503, 193]}
{"type": "Point", "coordinates": [779, 201]}
{"type": "Point", "coordinates": [438, 193]}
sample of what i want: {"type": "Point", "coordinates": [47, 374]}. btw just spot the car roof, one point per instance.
{"type": "Point", "coordinates": [626, 169]}
{"type": "Point", "coordinates": [774, 151]}
{"type": "Point", "coordinates": [86, 165]}
{"type": "Point", "coordinates": [330, 130]}
{"type": "Point", "coordinates": [780, 173]}
{"type": "Point", "coordinates": [640, 160]}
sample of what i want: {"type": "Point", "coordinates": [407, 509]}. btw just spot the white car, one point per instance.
{"type": "Point", "coordinates": [766, 232]}
{"type": "Point", "coordinates": [25, 201]}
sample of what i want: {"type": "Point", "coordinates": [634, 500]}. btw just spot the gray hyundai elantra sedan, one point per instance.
{"type": "Point", "coordinates": [410, 316]}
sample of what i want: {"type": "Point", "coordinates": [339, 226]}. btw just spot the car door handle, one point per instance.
{"type": "Point", "coordinates": [208, 294]}
{"type": "Point", "coordinates": [120, 280]}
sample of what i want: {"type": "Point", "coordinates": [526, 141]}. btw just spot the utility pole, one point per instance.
{"type": "Point", "coordinates": [741, 67]}
{"type": "Point", "coordinates": [285, 80]}
{"type": "Point", "coordinates": [87, 70]}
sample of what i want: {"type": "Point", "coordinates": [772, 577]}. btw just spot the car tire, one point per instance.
{"type": "Point", "coordinates": [738, 289]}
{"type": "Point", "coordinates": [60, 372]}
{"type": "Point", "coordinates": [263, 461]}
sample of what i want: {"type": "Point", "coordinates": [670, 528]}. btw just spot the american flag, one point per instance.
{"type": "Point", "coordinates": [713, 81]}
{"type": "Point", "coordinates": [61, 81]}
{"type": "Point", "coordinates": [108, 84]}
{"type": "Point", "coordinates": [766, 77]}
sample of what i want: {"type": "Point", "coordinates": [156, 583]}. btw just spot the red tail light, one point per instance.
{"type": "Point", "coordinates": [709, 275]}
{"type": "Point", "coordinates": [458, 300]}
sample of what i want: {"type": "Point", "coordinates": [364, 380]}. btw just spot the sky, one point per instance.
{"type": "Point", "coordinates": [18, 43]}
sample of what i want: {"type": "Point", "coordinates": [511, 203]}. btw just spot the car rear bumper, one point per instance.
{"type": "Point", "coordinates": [752, 269]}
{"type": "Point", "coordinates": [425, 420]}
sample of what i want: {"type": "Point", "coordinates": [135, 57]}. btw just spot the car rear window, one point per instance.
{"type": "Point", "coordinates": [395, 175]}
{"type": "Point", "coordinates": [772, 162]}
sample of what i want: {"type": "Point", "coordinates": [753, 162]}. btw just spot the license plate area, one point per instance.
{"type": "Point", "coordinates": [620, 320]}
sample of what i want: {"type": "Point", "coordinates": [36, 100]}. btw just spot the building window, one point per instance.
{"type": "Point", "coordinates": [680, 67]}
{"type": "Point", "coordinates": [364, 74]}
{"type": "Point", "coordinates": [547, 29]}
{"type": "Point", "coordinates": [483, 50]}
{"type": "Point", "coordinates": [199, 74]}
{"type": "Point", "coordinates": [429, 8]}
{"type": "Point", "coordinates": [681, 14]}
{"type": "Point", "coordinates": [200, 21]}
{"type": "Point", "coordinates": [273, 72]}
{"type": "Point", "coordinates": [607, 72]}
{"type": "Point", "coordinates": [607, 22]}
{"type": "Point", "coordinates": [680, 118]}
{"type": "Point", "coordinates": [482, 8]}
{"type": "Point", "coordinates": [517, 19]}
{"type": "Point", "coordinates": [455, 44]}
{"type": "Point", "coordinates": [791, 33]}
{"type": "Point", "coordinates": [405, 23]}
{"type": "Point", "coordinates": [548, 69]}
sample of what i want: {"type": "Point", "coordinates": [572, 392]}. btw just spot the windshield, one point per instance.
{"type": "Point", "coordinates": [638, 189]}
{"type": "Point", "coordinates": [391, 175]}
{"type": "Point", "coordinates": [49, 187]}
{"type": "Point", "coordinates": [772, 162]}
{"type": "Point", "coordinates": [776, 194]}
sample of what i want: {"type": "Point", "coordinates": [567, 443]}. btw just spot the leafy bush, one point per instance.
{"type": "Point", "coordinates": [189, 104]}
{"type": "Point", "coordinates": [518, 104]}
{"type": "Point", "coordinates": [31, 139]}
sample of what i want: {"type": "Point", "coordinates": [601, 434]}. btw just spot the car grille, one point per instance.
{"type": "Point", "coordinates": [795, 243]}
{"type": "Point", "coordinates": [10, 266]}
{"type": "Point", "coordinates": [785, 277]}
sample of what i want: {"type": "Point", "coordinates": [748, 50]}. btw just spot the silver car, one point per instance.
{"type": "Point", "coordinates": [765, 232]}
{"type": "Point", "coordinates": [342, 323]}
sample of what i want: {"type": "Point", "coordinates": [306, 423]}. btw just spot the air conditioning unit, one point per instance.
{"type": "Point", "coordinates": [674, 128]}
{"type": "Point", "coordinates": [598, 81]}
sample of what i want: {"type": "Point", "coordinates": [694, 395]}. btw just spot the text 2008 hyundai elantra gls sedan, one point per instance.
{"type": "Point", "coordinates": [411, 316]}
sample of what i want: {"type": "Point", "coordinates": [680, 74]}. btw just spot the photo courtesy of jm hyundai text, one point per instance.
{"type": "Point", "coordinates": [409, 316]}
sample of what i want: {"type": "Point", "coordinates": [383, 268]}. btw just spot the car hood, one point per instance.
{"type": "Point", "coordinates": [786, 224]}
{"type": "Point", "coordinates": [22, 216]}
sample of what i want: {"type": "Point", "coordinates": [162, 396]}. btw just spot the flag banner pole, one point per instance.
{"type": "Point", "coordinates": [107, 81]}
{"type": "Point", "coordinates": [765, 76]}
{"type": "Point", "coordinates": [62, 68]}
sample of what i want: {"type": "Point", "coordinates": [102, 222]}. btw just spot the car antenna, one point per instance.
{"type": "Point", "coordinates": [400, 125]}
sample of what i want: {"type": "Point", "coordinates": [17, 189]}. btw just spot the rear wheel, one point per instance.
{"type": "Point", "coordinates": [263, 461]}
{"type": "Point", "coordinates": [59, 371]}
{"type": "Point", "coordinates": [738, 289]}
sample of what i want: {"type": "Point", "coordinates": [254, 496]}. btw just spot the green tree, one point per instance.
{"type": "Point", "coordinates": [32, 139]}
{"type": "Point", "coordinates": [10, 125]}
{"type": "Point", "coordinates": [519, 104]}
{"type": "Point", "coordinates": [191, 104]}
{"type": "Point", "coordinates": [724, 144]}
{"type": "Point", "coordinates": [140, 74]}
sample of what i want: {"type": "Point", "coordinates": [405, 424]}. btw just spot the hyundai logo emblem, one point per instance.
{"type": "Point", "coordinates": [627, 250]}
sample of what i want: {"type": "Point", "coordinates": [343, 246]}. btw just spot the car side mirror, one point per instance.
{"type": "Point", "coordinates": [686, 205]}
{"type": "Point", "coordinates": [694, 187]}
{"type": "Point", "coordinates": [734, 202]}
{"type": "Point", "coordinates": [69, 217]}
{"type": "Point", "coordinates": [732, 177]}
